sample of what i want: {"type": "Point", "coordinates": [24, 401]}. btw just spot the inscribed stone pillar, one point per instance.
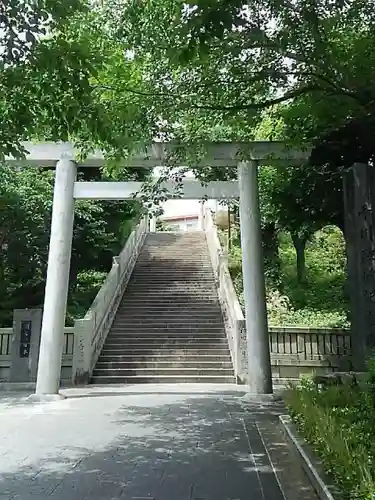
{"type": "Point", "coordinates": [359, 196]}
{"type": "Point", "coordinates": [25, 345]}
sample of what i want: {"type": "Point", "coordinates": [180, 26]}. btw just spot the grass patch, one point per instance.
{"type": "Point", "coordinates": [322, 300]}
{"type": "Point", "coordinates": [339, 424]}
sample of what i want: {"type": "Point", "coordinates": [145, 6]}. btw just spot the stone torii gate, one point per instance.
{"type": "Point", "coordinates": [245, 157]}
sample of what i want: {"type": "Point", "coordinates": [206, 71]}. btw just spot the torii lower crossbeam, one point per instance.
{"type": "Point", "coordinates": [190, 190]}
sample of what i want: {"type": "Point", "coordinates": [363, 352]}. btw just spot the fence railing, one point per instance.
{"type": "Point", "coordinates": [6, 335]}
{"type": "Point", "coordinates": [228, 298]}
{"type": "Point", "coordinates": [309, 343]}
{"type": "Point", "coordinates": [91, 331]}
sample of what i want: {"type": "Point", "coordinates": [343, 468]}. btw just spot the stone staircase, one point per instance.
{"type": "Point", "coordinates": [169, 326]}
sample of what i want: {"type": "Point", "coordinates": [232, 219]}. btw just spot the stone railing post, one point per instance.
{"type": "Point", "coordinates": [201, 216]}
{"type": "Point", "coordinates": [153, 225]}
{"type": "Point", "coordinates": [82, 351]}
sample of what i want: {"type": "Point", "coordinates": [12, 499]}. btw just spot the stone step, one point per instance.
{"type": "Point", "coordinates": [166, 350]}
{"type": "Point", "coordinates": [146, 372]}
{"type": "Point", "coordinates": [177, 363]}
{"type": "Point", "coordinates": [191, 301]}
{"type": "Point", "coordinates": [178, 267]}
{"type": "Point", "coordinates": [175, 268]}
{"type": "Point", "coordinates": [162, 317]}
{"type": "Point", "coordinates": [167, 324]}
{"type": "Point", "coordinates": [152, 340]}
{"type": "Point", "coordinates": [188, 250]}
{"type": "Point", "coordinates": [172, 330]}
{"type": "Point", "coordinates": [188, 284]}
{"type": "Point", "coordinates": [172, 278]}
{"type": "Point", "coordinates": [148, 337]}
{"type": "Point", "coordinates": [164, 379]}
{"type": "Point", "coordinates": [181, 264]}
{"type": "Point", "coordinates": [160, 343]}
{"type": "Point", "coordinates": [185, 285]}
{"type": "Point", "coordinates": [179, 289]}
{"type": "Point", "coordinates": [177, 293]}
{"type": "Point", "coordinates": [165, 316]}
{"type": "Point", "coordinates": [157, 311]}
{"type": "Point", "coordinates": [197, 332]}
{"type": "Point", "coordinates": [135, 303]}
{"type": "Point", "coordinates": [171, 297]}
{"type": "Point", "coordinates": [176, 252]}
{"type": "Point", "coordinates": [201, 359]}
{"type": "Point", "coordinates": [159, 291]}
{"type": "Point", "coordinates": [167, 331]}
{"type": "Point", "coordinates": [172, 286]}
{"type": "Point", "coordinates": [194, 309]}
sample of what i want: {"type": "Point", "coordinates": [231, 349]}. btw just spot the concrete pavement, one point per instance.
{"type": "Point", "coordinates": [146, 442]}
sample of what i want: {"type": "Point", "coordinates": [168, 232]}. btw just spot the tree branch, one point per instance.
{"type": "Point", "coordinates": [259, 105]}
{"type": "Point", "coordinates": [335, 90]}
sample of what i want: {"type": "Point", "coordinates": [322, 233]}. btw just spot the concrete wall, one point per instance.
{"type": "Point", "coordinates": [301, 351]}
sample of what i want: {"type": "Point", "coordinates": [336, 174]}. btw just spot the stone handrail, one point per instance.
{"type": "Point", "coordinates": [91, 331]}
{"type": "Point", "coordinates": [230, 305]}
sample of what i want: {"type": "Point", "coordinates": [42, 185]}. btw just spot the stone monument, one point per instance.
{"type": "Point", "coordinates": [359, 198]}
{"type": "Point", "coordinates": [25, 345]}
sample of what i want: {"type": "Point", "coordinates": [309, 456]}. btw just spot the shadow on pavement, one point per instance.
{"type": "Point", "coordinates": [146, 447]}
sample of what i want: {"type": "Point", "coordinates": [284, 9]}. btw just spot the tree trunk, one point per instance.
{"type": "Point", "coordinates": [300, 247]}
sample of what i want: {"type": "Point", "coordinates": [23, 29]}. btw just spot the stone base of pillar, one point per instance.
{"type": "Point", "coordinates": [46, 398]}
{"type": "Point", "coordinates": [261, 398]}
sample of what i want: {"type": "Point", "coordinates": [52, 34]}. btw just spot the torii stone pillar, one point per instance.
{"type": "Point", "coordinates": [258, 351]}
{"type": "Point", "coordinates": [56, 291]}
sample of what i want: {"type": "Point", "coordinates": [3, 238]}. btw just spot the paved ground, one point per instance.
{"type": "Point", "coordinates": [152, 443]}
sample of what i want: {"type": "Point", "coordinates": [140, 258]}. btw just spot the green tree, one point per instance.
{"type": "Point", "coordinates": [43, 73]}
{"type": "Point", "coordinates": [100, 231]}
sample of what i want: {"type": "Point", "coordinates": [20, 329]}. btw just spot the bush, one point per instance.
{"type": "Point", "coordinates": [339, 424]}
{"type": "Point", "coordinates": [87, 285]}
{"type": "Point", "coordinates": [321, 301]}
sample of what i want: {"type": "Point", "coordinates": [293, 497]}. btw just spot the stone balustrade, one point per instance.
{"type": "Point", "coordinates": [295, 351]}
